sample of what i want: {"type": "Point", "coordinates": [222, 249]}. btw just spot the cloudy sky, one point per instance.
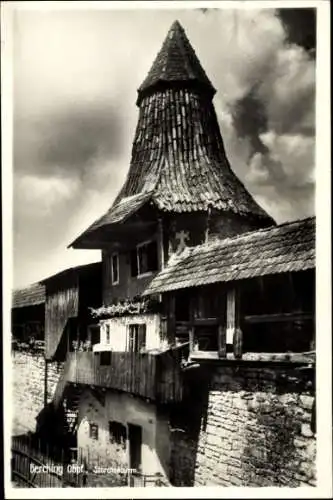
{"type": "Point", "coordinates": [76, 74]}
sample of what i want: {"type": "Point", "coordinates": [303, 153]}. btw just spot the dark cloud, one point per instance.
{"type": "Point", "coordinates": [70, 162]}
{"type": "Point", "coordinates": [68, 140]}
{"type": "Point", "coordinates": [300, 26]}
{"type": "Point", "coordinates": [250, 119]}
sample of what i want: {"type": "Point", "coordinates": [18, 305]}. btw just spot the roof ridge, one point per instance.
{"type": "Point", "coordinates": [67, 269]}
{"type": "Point", "coordinates": [23, 288]}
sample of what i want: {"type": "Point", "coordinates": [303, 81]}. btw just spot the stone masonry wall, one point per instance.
{"type": "Point", "coordinates": [255, 431]}
{"type": "Point", "coordinates": [28, 387]}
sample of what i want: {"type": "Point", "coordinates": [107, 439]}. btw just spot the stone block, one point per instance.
{"type": "Point", "coordinates": [306, 430]}
{"type": "Point", "coordinates": [306, 402]}
{"type": "Point", "coordinates": [307, 469]}
{"type": "Point", "coordinates": [300, 443]}
{"type": "Point", "coordinates": [214, 440]}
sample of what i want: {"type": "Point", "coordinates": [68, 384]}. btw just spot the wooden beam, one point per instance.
{"type": "Point", "coordinates": [160, 239]}
{"type": "Point", "coordinates": [171, 328]}
{"type": "Point", "coordinates": [281, 317]}
{"type": "Point", "coordinates": [191, 339]}
{"type": "Point", "coordinates": [221, 340]}
{"type": "Point", "coordinates": [205, 322]}
{"type": "Point", "coordinates": [45, 381]}
{"type": "Point", "coordinates": [233, 332]}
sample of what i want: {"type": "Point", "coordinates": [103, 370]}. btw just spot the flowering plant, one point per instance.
{"type": "Point", "coordinates": [127, 307]}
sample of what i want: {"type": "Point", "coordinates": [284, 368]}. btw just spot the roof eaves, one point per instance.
{"type": "Point", "coordinates": [106, 218]}
{"type": "Point", "coordinates": [163, 282]}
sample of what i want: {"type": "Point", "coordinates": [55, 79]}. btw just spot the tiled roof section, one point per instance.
{"type": "Point", "coordinates": [176, 62]}
{"type": "Point", "coordinates": [178, 152]}
{"type": "Point", "coordinates": [285, 248]}
{"type": "Point", "coordinates": [118, 213]}
{"type": "Point", "coordinates": [32, 295]}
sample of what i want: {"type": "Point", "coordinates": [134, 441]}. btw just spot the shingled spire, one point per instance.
{"type": "Point", "coordinates": [175, 63]}
{"type": "Point", "coordinates": [178, 158]}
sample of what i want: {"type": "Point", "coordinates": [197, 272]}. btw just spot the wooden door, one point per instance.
{"type": "Point", "coordinates": [135, 445]}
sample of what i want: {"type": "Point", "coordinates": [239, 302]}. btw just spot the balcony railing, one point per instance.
{"type": "Point", "coordinates": [152, 376]}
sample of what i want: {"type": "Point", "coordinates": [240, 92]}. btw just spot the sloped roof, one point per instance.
{"type": "Point", "coordinates": [279, 249]}
{"type": "Point", "coordinates": [176, 62]}
{"type": "Point", "coordinates": [31, 295]}
{"type": "Point", "coordinates": [178, 156]}
{"type": "Point", "coordinates": [70, 270]}
{"type": "Point", "coordinates": [117, 213]}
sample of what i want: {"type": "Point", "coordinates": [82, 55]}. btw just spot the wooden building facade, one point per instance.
{"type": "Point", "coordinates": [68, 296]}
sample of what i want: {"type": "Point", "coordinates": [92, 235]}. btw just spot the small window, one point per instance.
{"type": "Point", "coordinates": [105, 359]}
{"type": "Point", "coordinates": [147, 258]}
{"type": "Point", "coordinates": [144, 259]}
{"type": "Point", "coordinates": [117, 433]}
{"type": "Point", "coordinates": [107, 334]}
{"type": "Point", "coordinates": [93, 431]}
{"type": "Point", "coordinates": [115, 268]}
{"type": "Point", "coordinates": [137, 338]}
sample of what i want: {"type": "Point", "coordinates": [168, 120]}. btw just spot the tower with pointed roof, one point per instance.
{"type": "Point", "coordinates": [180, 188]}
{"type": "Point", "coordinates": [169, 311]}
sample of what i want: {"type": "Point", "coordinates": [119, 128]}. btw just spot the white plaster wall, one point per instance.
{"type": "Point", "coordinates": [125, 409]}
{"type": "Point", "coordinates": [119, 332]}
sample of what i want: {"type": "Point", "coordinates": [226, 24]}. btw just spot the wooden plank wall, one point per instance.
{"type": "Point", "coordinates": [146, 375]}
{"type": "Point", "coordinates": [62, 299]}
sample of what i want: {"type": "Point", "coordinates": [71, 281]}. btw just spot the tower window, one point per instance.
{"type": "Point", "coordinates": [115, 268]}
{"type": "Point", "coordinates": [144, 259]}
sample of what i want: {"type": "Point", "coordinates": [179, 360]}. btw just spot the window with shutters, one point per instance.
{"type": "Point", "coordinates": [144, 259]}
{"type": "Point", "coordinates": [136, 338]}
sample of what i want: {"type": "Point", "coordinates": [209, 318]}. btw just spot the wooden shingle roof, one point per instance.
{"type": "Point", "coordinates": [117, 213]}
{"type": "Point", "coordinates": [175, 62]}
{"type": "Point", "coordinates": [178, 155]}
{"type": "Point", "coordinates": [32, 295]}
{"type": "Point", "coordinates": [279, 249]}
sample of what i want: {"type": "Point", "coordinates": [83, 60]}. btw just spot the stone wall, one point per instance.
{"type": "Point", "coordinates": [28, 372]}
{"type": "Point", "coordinates": [252, 429]}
